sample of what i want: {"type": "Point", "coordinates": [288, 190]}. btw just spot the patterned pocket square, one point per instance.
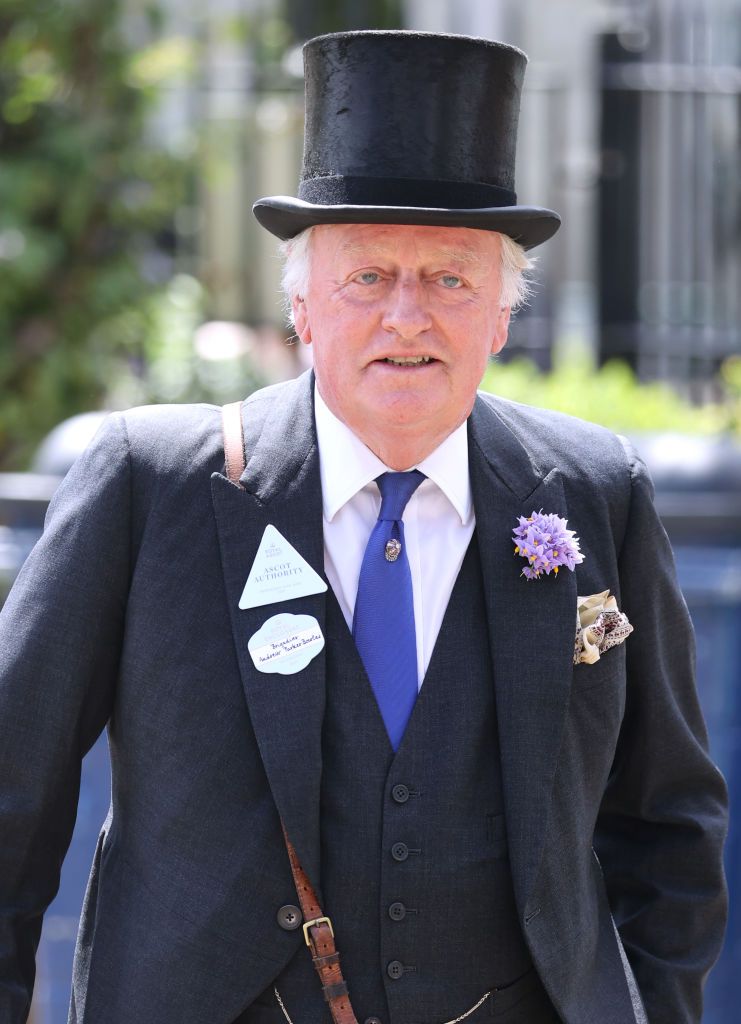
{"type": "Point", "coordinates": [600, 625]}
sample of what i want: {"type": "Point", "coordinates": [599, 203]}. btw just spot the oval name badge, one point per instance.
{"type": "Point", "coordinates": [285, 643]}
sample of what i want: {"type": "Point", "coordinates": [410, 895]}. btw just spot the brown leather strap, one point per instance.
{"type": "Point", "coordinates": [318, 930]}
{"type": "Point", "coordinates": [231, 416]}
{"type": "Point", "coordinates": [319, 936]}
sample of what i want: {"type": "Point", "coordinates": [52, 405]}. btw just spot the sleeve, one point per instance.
{"type": "Point", "coordinates": [662, 824]}
{"type": "Point", "coordinates": [60, 639]}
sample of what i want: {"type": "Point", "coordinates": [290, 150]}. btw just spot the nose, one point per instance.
{"type": "Point", "coordinates": [407, 313]}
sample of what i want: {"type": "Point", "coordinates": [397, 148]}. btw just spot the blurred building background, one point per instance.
{"type": "Point", "coordinates": [630, 128]}
{"type": "Point", "coordinates": [135, 136]}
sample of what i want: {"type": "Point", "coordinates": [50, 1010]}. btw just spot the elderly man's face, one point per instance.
{"type": "Point", "coordinates": [402, 320]}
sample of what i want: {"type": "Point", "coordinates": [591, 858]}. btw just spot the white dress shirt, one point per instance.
{"type": "Point", "coordinates": [438, 521]}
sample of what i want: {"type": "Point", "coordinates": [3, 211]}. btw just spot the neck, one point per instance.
{"type": "Point", "coordinates": [399, 445]}
{"type": "Point", "coordinates": [399, 452]}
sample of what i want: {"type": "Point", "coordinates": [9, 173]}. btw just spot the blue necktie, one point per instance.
{"type": "Point", "coordinates": [383, 624]}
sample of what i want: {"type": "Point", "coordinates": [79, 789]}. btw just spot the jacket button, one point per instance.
{"type": "Point", "coordinates": [400, 793]}
{"type": "Point", "coordinates": [289, 917]}
{"type": "Point", "coordinates": [372, 1020]}
{"type": "Point", "coordinates": [395, 969]}
{"type": "Point", "coordinates": [397, 911]}
{"type": "Point", "coordinates": [400, 852]}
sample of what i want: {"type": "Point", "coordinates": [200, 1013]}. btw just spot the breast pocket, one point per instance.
{"type": "Point", "coordinates": [608, 672]}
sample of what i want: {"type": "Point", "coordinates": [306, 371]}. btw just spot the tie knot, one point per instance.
{"type": "Point", "coordinates": [396, 490]}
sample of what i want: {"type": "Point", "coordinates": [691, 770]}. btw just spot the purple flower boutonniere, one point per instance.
{"type": "Point", "coordinates": [546, 544]}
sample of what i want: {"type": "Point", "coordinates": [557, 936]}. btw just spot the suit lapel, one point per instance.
{"type": "Point", "coordinates": [531, 628]}
{"type": "Point", "coordinates": [282, 488]}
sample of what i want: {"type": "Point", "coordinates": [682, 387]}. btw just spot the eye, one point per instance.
{"type": "Point", "coordinates": [368, 277]}
{"type": "Point", "coordinates": [450, 281]}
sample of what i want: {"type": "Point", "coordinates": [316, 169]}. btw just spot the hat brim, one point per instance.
{"type": "Point", "coordinates": [286, 217]}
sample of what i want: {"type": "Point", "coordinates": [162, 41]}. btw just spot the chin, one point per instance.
{"type": "Point", "coordinates": [404, 410]}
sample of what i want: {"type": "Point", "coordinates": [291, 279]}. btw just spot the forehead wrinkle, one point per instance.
{"type": "Point", "coordinates": [361, 249]}
{"type": "Point", "coordinates": [464, 254]}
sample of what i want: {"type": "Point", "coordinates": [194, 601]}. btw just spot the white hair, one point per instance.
{"type": "Point", "coordinates": [295, 253]}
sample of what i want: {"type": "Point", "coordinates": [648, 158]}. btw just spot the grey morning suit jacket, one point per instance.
{"type": "Point", "coordinates": [126, 616]}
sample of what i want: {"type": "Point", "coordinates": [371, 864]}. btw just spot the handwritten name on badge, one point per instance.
{"type": "Point", "coordinates": [286, 643]}
{"type": "Point", "coordinates": [279, 573]}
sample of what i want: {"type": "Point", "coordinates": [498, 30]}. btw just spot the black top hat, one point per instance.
{"type": "Point", "coordinates": [410, 128]}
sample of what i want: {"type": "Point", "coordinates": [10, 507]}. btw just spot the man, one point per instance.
{"type": "Point", "coordinates": [491, 832]}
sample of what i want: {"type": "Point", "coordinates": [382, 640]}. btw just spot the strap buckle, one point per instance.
{"type": "Point", "coordinates": [310, 924]}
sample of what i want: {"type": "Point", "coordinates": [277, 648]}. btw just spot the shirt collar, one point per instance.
{"type": "Point", "coordinates": [347, 465]}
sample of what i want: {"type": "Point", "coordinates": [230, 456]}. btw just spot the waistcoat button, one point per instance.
{"type": "Point", "coordinates": [400, 851]}
{"type": "Point", "coordinates": [397, 911]}
{"type": "Point", "coordinates": [400, 793]}
{"type": "Point", "coordinates": [289, 917]}
{"type": "Point", "coordinates": [395, 969]}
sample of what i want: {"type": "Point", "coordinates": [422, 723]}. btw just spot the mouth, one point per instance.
{"type": "Point", "coordinates": [407, 360]}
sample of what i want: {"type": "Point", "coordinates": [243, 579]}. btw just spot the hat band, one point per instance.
{"type": "Point", "coordinates": [342, 190]}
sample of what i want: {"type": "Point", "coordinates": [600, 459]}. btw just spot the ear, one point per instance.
{"type": "Point", "coordinates": [301, 319]}
{"type": "Point", "coordinates": [501, 329]}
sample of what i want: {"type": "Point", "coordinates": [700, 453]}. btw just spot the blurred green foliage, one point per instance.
{"type": "Point", "coordinates": [614, 397]}
{"type": "Point", "coordinates": [86, 206]}
{"type": "Point", "coordinates": [170, 367]}
{"type": "Point", "coordinates": [94, 308]}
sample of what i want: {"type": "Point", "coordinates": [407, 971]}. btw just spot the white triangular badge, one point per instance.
{"type": "Point", "coordinates": [279, 573]}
